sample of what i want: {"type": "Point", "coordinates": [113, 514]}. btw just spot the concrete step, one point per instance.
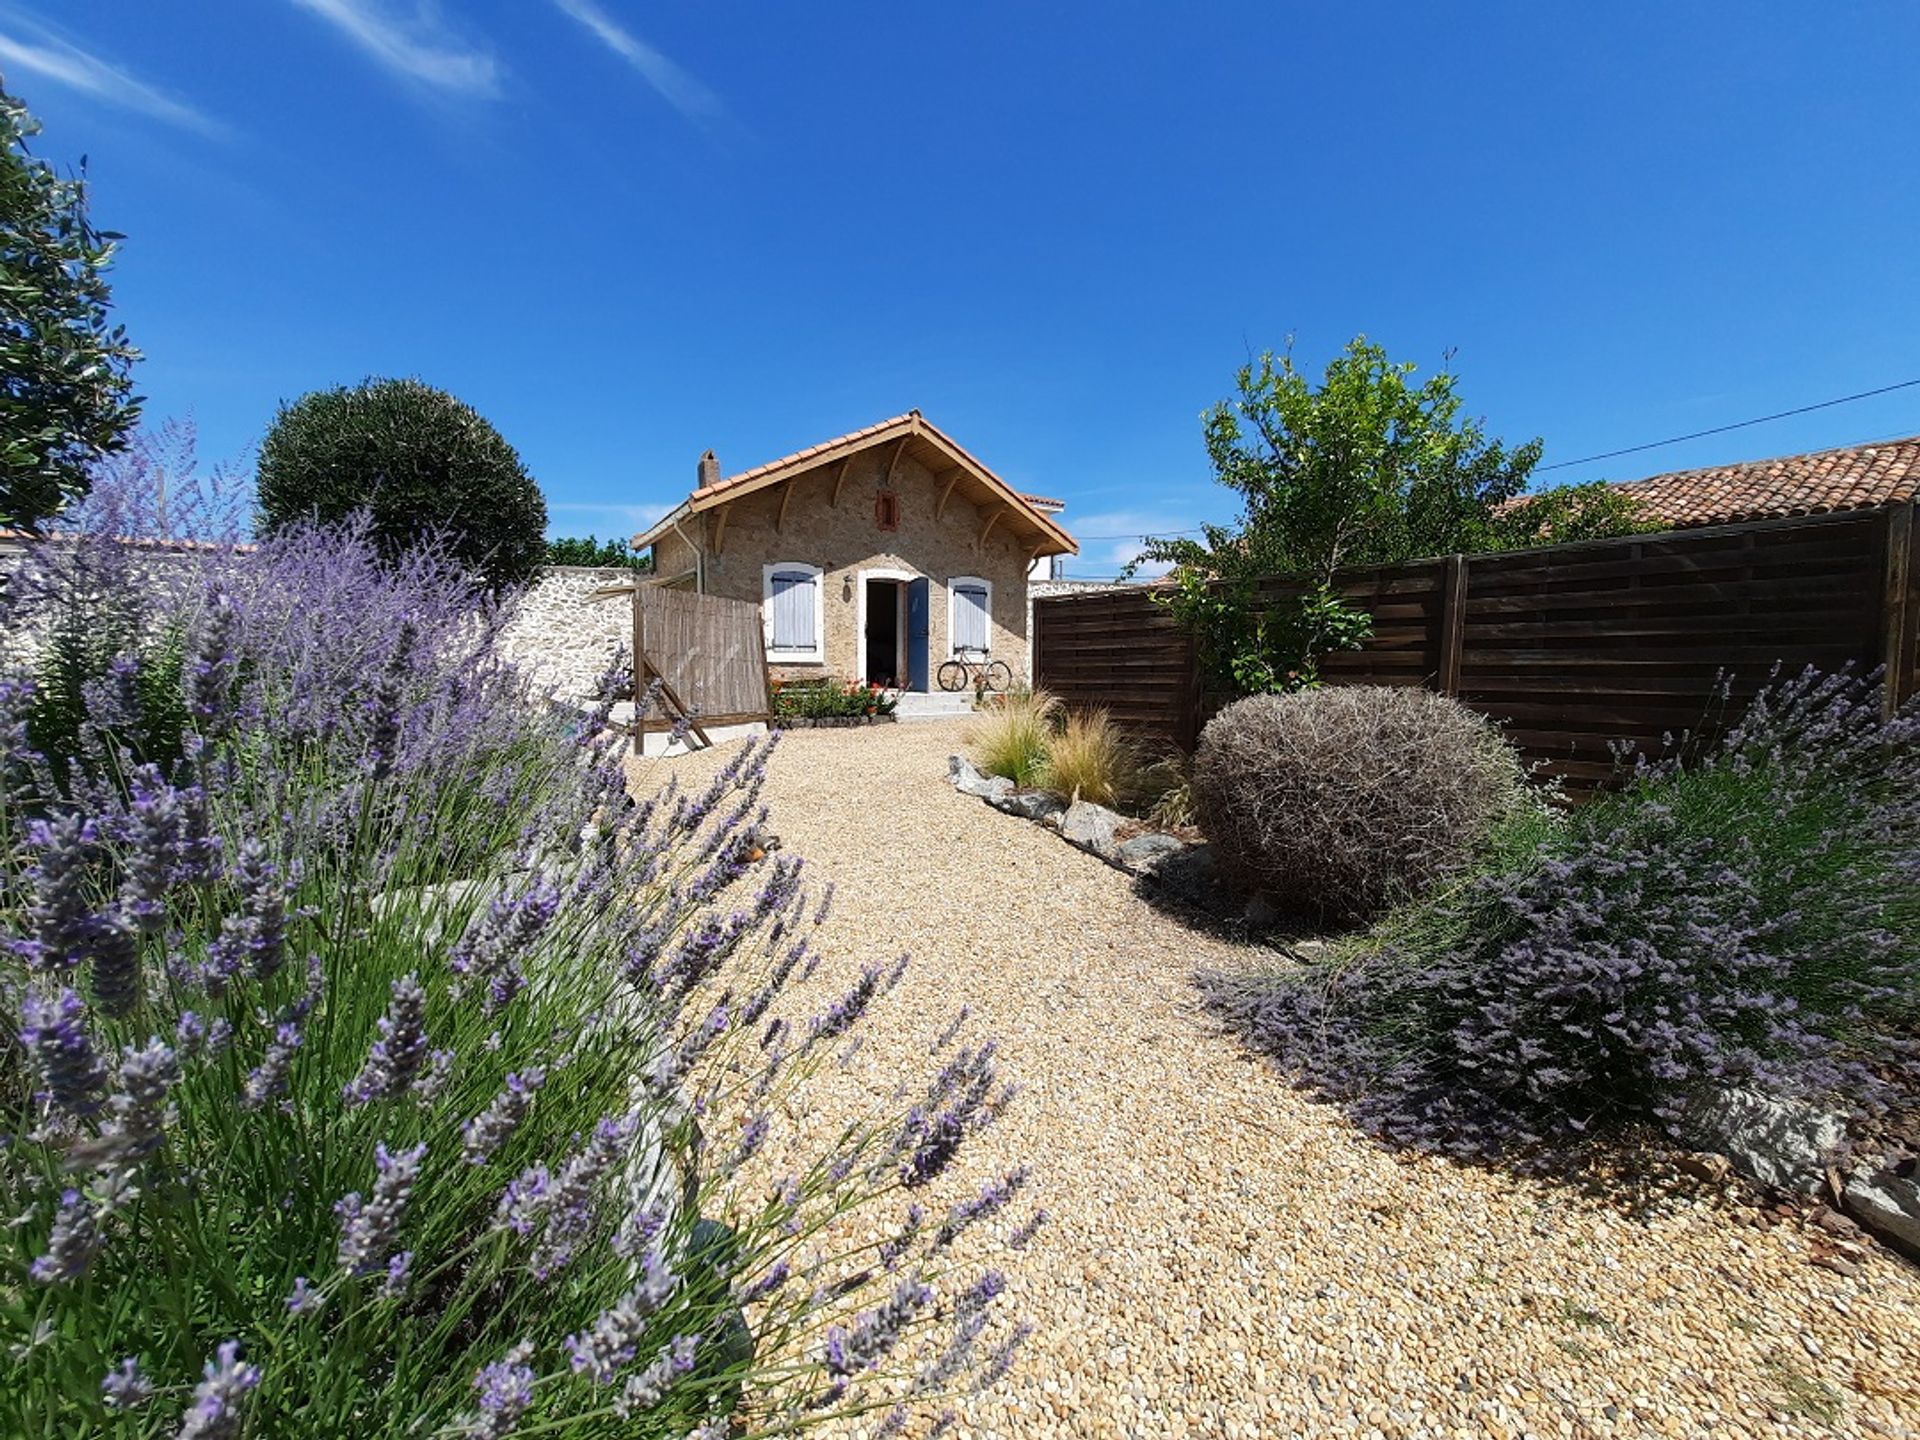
{"type": "Point", "coordinates": [939, 705]}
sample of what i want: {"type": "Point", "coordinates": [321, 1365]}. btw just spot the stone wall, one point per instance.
{"type": "Point", "coordinates": [563, 638]}
{"type": "Point", "coordinates": [845, 539]}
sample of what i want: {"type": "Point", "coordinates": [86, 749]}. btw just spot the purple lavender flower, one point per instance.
{"type": "Point", "coordinates": [267, 1081]}
{"type": "Point", "coordinates": [563, 1207]}
{"type": "Point", "coordinates": [840, 1016]}
{"type": "Point", "coordinates": [74, 1241]}
{"type": "Point", "coordinates": [53, 1031]}
{"type": "Point", "coordinates": [218, 1411]}
{"type": "Point", "coordinates": [253, 939]}
{"type": "Point", "coordinates": [485, 1133]}
{"type": "Point", "coordinates": [60, 915]}
{"type": "Point", "coordinates": [211, 670]}
{"type": "Point", "coordinates": [383, 717]}
{"type": "Point", "coordinates": [394, 1063]}
{"type": "Point", "coordinates": [753, 1135]}
{"type": "Point", "coordinates": [896, 1245]}
{"type": "Point", "coordinates": [490, 951]}
{"type": "Point", "coordinates": [993, 1198]}
{"type": "Point", "coordinates": [139, 1110]}
{"type": "Point", "coordinates": [506, 1393]}
{"type": "Point", "coordinates": [114, 946]}
{"type": "Point", "coordinates": [971, 1313]}
{"type": "Point", "coordinates": [646, 1389]}
{"type": "Point", "coordinates": [370, 1233]}
{"type": "Point", "coordinates": [875, 1333]}
{"type": "Point", "coordinates": [166, 844]}
{"type": "Point", "coordinates": [127, 1387]}
{"type": "Point", "coordinates": [304, 1299]}
{"type": "Point", "coordinates": [777, 1275]}
{"type": "Point", "coordinates": [1022, 1236]}
{"type": "Point", "coordinates": [614, 1337]}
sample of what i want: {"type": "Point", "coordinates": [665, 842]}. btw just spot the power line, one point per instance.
{"type": "Point", "coordinates": [1142, 534]}
{"type": "Point", "coordinates": [1723, 429]}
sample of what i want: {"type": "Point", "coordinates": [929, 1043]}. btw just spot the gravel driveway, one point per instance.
{"type": "Point", "coordinates": [1226, 1257]}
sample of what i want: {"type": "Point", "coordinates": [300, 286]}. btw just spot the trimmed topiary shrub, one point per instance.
{"type": "Point", "coordinates": [1340, 803]}
{"type": "Point", "coordinates": [423, 465]}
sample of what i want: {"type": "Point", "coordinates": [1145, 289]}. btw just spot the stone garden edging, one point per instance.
{"type": "Point", "coordinates": [1790, 1146]}
{"type": "Point", "coordinates": [1182, 865]}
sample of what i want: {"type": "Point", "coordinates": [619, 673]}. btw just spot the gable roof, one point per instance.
{"type": "Point", "coordinates": [933, 444]}
{"type": "Point", "coordinates": [1852, 477]}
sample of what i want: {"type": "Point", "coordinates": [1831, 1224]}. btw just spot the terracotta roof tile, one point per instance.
{"type": "Point", "coordinates": [850, 438]}
{"type": "Point", "coordinates": [1045, 500]}
{"type": "Point", "coordinates": [1852, 477]}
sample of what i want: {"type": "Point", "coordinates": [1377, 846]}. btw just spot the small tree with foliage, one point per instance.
{"type": "Point", "coordinates": [595, 552]}
{"type": "Point", "coordinates": [423, 465]}
{"type": "Point", "coordinates": [1366, 468]}
{"type": "Point", "coordinates": [65, 374]}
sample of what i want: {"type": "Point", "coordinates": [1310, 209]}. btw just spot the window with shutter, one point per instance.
{"type": "Point", "coordinates": [793, 612]}
{"type": "Point", "coordinates": [969, 621]}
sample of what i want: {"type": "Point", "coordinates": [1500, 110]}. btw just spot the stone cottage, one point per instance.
{"type": "Point", "coordinates": [874, 556]}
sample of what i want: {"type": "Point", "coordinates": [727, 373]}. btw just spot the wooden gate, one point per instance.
{"type": "Point", "coordinates": [708, 656]}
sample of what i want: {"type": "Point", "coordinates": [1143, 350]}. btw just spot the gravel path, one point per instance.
{"type": "Point", "coordinates": [1226, 1257]}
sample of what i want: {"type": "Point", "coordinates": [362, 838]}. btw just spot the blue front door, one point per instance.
{"type": "Point", "coordinates": [919, 622]}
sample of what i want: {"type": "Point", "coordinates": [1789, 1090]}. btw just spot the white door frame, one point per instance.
{"type": "Point", "coordinates": [882, 572]}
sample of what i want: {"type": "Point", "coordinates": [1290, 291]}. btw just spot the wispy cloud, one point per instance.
{"type": "Point", "coordinates": [676, 86]}
{"type": "Point", "coordinates": [1113, 539]}
{"type": "Point", "coordinates": [34, 49]}
{"type": "Point", "coordinates": [419, 46]}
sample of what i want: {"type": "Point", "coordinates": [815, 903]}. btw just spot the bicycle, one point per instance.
{"type": "Point", "coordinates": [983, 673]}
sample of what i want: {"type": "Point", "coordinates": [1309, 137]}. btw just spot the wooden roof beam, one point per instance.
{"type": "Point", "coordinates": [987, 529]}
{"type": "Point", "coordinates": [893, 460]}
{"type": "Point", "coordinates": [786, 496]}
{"type": "Point", "coordinates": [839, 479]}
{"type": "Point", "coordinates": [720, 528]}
{"type": "Point", "coordinates": [940, 510]}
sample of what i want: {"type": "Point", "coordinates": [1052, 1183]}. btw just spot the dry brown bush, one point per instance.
{"type": "Point", "coordinates": [1339, 803]}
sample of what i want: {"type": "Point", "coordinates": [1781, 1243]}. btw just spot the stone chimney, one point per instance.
{"type": "Point", "coordinates": [709, 471]}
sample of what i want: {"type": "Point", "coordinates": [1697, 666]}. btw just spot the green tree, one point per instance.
{"type": "Point", "coordinates": [573, 550]}
{"type": "Point", "coordinates": [423, 465]}
{"type": "Point", "coordinates": [1368, 467]}
{"type": "Point", "coordinates": [66, 384]}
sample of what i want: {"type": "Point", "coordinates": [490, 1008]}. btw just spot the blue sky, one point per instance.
{"type": "Point", "coordinates": [627, 231]}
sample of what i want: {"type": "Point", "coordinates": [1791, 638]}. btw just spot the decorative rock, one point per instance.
{"type": "Point", "coordinates": [1781, 1143]}
{"type": "Point", "coordinates": [1028, 804]}
{"type": "Point", "coordinates": [1091, 827]}
{"type": "Point", "coordinates": [1887, 1201]}
{"type": "Point", "coordinates": [1147, 852]}
{"type": "Point", "coordinates": [968, 780]}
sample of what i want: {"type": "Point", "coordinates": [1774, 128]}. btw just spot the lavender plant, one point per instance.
{"type": "Point", "coordinates": [378, 1066]}
{"type": "Point", "coordinates": [1742, 915]}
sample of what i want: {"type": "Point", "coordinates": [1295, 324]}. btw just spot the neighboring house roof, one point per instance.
{"type": "Point", "coordinates": [932, 445]}
{"type": "Point", "coordinates": [1853, 477]}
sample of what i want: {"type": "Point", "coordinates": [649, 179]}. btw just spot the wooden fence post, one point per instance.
{"type": "Point", "coordinates": [1453, 619]}
{"type": "Point", "coordinates": [639, 677]}
{"type": "Point", "coordinates": [1899, 601]}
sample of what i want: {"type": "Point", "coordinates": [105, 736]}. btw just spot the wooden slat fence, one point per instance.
{"type": "Point", "coordinates": [1571, 648]}
{"type": "Point", "coordinates": [710, 652]}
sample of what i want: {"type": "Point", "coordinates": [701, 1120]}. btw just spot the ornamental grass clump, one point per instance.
{"type": "Point", "coordinates": [1339, 803]}
{"type": "Point", "coordinates": [1742, 917]}
{"type": "Point", "coordinates": [1011, 736]}
{"type": "Point", "coordinates": [377, 1066]}
{"type": "Point", "coordinates": [1090, 758]}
